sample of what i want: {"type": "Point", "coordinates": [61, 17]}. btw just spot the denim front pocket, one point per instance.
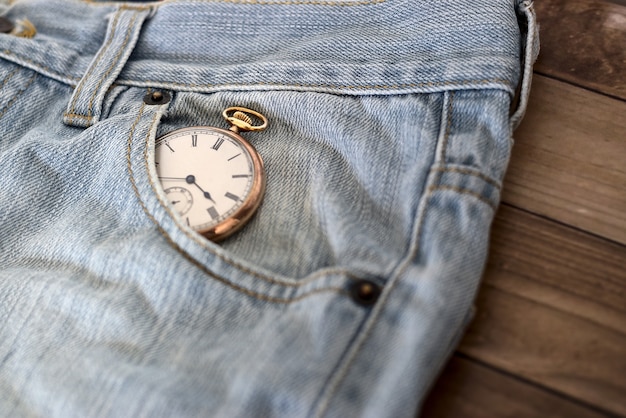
{"type": "Point", "coordinates": [344, 175]}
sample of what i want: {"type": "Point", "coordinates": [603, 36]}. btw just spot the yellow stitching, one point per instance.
{"type": "Point", "coordinates": [8, 77]}
{"type": "Point", "coordinates": [446, 135]}
{"type": "Point", "coordinates": [113, 63]}
{"type": "Point", "coordinates": [187, 256]}
{"type": "Point", "coordinates": [85, 78]}
{"type": "Point", "coordinates": [74, 115]}
{"type": "Point", "coordinates": [469, 172]}
{"type": "Point", "coordinates": [466, 192]}
{"type": "Point", "coordinates": [138, 83]}
{"type": "Point", "coordinates": [444, 148]}
{"type": "Point", "coordinates": [32, 79]}
{"type": "Point", "coordinates": [37, 64]}
{"type": "Point", "coordinates": [135, 8]}
{"type": "Point", "coordinates": [286, 2]}
{"type": "Point", "coordinates": [335, 86]}
{"type": "Point", "coordinates": [123, 6]}
{"type": "Point", "coordinates": [263, 2]}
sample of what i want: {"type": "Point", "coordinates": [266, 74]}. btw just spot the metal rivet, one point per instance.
{"type": "Point", "coordinates": [6, 25]}
{"type": "Point", "coordinates": [157, 98]}
{"type": "Point", "coordinates": [365, 292]}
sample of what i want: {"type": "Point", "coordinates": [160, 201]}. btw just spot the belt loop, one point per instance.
{"type": "Point", "coordinates": [85, 106]}
{"type": "Point", "coordinates": [530, 51]}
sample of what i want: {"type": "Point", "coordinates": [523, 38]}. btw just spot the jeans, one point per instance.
{"type": "Point", "coordinates": [390, 125]}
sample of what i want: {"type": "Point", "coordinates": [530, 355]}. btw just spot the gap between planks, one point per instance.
{"type": "Point", "coordinates": [568, 159]}
{"type": "Point", "coordinates": [470, 389]}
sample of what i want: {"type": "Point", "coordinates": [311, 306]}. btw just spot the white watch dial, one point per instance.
{"type": "Point", "coordinates": [207, 174]}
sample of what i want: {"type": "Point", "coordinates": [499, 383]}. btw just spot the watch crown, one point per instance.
{"type": "Point", "coordinates": [240, 120]}
{"type": "Point", "coordinates": [242, 116]}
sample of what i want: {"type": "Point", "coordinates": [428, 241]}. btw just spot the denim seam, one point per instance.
{"type": "Point", "coordinates": [461, 190]}
{"type": "Point", "coordinates": [529, 56]}
{"type": "Point", "coordinates": [77, 116]}
{"type": "Point", "coordinates": [412, 251]}
{"type": "Point", "coordinates": [175, 85]}
{"type": "Point", "coordinates": [72, 112]}
{"type": "Point", "coordinates": [135, 8]}
{"type": "Point", "coordinates": [446, 136]}
{"type": "Point", "coordinates": [113, 63]}
{"type": "Point", "coordinates": [265, 2]}
{"type": "Point", "coordinates": [189, 257]}
{"type": "Point", "coordinates": [9, 76]}
{"type": "Point", "coordinates": [36, 66]}
{"type": "Point", "coordinates": [288, 2]}
{"type": "Point", "coordinates": [341, 360]}
{"type": "Point", "coordinates": [442, 158]}
{"type": "Point", "coordinates": [19, 93]}
{"type": "Point", "coordinates": [469, 172]}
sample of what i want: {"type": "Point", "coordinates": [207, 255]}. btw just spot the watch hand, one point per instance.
{"type": "Point", "coordinates": [175, 202]}
{"type": "Point", "coordinates": [191, 179]}
{"type": "Point", "coordinates": [172, 178]}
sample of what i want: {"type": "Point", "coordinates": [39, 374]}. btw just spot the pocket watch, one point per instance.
{"type": "Point", "coordinates": [213, 177]}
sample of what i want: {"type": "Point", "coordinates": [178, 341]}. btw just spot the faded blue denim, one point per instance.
{"type": "Point", "coordinates": [390, 132]}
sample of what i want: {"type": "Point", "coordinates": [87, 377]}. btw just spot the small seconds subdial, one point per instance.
{"type": "Point", "coordinates": [212, 177]}
{"type": "Point", "coordinates": [180, 198]}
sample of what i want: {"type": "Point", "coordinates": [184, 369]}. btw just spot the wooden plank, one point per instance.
{"type": "Point", "coordinates": [552, 309]}
{"type": "Point", "coordinates": [569, 159]}
{"type": "Point", "coordinates": [583, 42]}
{"type": "Point", "coordinates": [469, 390]}
{"type": "Point", "coordinates": [550, 348]}
{"type": "Point", "coordinates": [566, 269]}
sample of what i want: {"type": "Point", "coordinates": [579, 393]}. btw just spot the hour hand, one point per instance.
{"type": "Point", "coordinates": [191, 179]}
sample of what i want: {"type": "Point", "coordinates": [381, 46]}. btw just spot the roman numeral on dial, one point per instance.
{"type": "Point", "coordinates": [218, 144]}
{"type": "Point", "coordinates": [232, 196]}
{"type": "Point", "coordinates": [213, 213]}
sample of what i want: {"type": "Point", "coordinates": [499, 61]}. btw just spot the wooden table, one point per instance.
{"type": "Point", "coordinates": [549, 337]}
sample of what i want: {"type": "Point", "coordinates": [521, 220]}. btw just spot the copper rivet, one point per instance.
{"type": "Point", "coordinates": [6, 25]}
{"type": "Point", "coordinates": [157, 98]}
{"type": "Point", "coordinates": [365, 292]}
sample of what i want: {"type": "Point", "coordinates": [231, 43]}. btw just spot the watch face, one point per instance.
{"type": "Point", "coordinates": [211, 176]}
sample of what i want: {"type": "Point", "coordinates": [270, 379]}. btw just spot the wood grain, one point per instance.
{"type": "Point", "coordinates": [559, 267]}
{"type": "Point", "coordinates": [552, 310]}
{"type": "Point", "coordinates": [470, 390]}
{"type": "Point", "coordinates": [569, 159]}
{"type": "Point", "coordinates": [583, 42]}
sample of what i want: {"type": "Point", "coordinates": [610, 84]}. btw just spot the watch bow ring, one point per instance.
{"type": "Point", "coordinates": [213, 177]}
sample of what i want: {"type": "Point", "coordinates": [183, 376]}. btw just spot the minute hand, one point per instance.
{"type": "Point", "coordinates": [172, 178]}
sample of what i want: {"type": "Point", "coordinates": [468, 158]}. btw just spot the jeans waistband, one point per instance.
{"type": "Point", "coordinates": [337, 46]}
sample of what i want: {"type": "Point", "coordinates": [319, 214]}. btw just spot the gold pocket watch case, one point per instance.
{"type": "Point", "coordinates": [213, 177]}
